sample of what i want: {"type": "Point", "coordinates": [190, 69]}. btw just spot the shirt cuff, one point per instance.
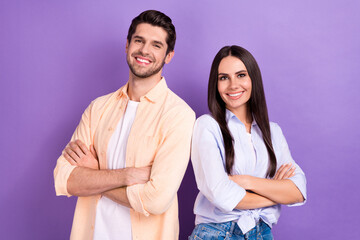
{"type": "Point", "coordinates": [61, 179]}
{"type": "Point", "coordinates": [133, 194]}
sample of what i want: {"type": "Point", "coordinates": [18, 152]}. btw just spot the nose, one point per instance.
{"type": "Point", "coordinates": [234, 83]}
{"type": "Point", "coordinates": [145, 49]}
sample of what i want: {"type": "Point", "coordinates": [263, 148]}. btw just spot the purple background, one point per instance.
{"type": "Point", "coordinates": [57, 56]}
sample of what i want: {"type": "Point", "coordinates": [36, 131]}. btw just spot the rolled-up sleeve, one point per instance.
{"type": "Point", "coordinates": [207, 160]}
{"type": "Point", "coordinates": [284, 156]}
{"type": "Point", "coordinates": [63, 168]}
{"type": "Point", "coordinates": [168, 168]}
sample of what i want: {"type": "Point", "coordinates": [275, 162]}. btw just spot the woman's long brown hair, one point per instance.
{"type": "Point", "coordinates": [256, 104]}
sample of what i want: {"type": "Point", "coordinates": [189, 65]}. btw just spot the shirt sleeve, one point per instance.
{"type": "Point", "coordinates": [63, 168]}
{"type": "Point", "coordinates": [168, 169]}
{"type": "Point", "coordinates": [211, 177]}
{"type": "Point", "coordinates": [283, 157]}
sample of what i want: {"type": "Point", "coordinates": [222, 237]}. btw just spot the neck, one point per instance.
{"type": "Point", "coordinates": [138, 87]}
{"type": "Point", "coordinates": [244, 115]}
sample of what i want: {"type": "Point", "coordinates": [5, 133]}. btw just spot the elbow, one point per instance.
{"type": "Point", "coordinates": [157, 211]}
{"type": "Point", "coordinates": [72, 191]}
{"type": "Point", "coordinates": [297, 198]}
{"type": "Point", "coordinates": [220, 202]}
{"type": "Point", "coordinates": [159, 205]}
{"type": "Point", "coordinates": [223, 207]}
{"type": "Point", "coordinates": [222, 197]}
{"type": "Point", "coordinates": [300, 199]}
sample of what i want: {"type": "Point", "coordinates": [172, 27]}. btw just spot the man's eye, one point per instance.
{"type": "Point", "coordinates": [137, 41]}
{"type": "Point", "coordinates": [157, 46]}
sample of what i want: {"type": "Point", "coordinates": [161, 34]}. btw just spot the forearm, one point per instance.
{"type": "Point", "coordinates": [119, 196]}
{"type": "Point", "coordinates": [280, 191]}
{"type": "Point", "coordinates": [253, 200]}
{"type": "Point", "coordinates": [86, 181]}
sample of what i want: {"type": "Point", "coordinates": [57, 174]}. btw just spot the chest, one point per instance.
{"type": "Point", "coordinates": [146, 133]}
{"type": "Point", "coordinates": [250, 153]}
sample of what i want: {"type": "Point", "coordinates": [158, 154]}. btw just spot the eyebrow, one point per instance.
{"type": "Point", "coordinates": [241, 71]}
{"type": "Point", "coordinates": [156, 42]}
{"type": "Point", "coordinates": [138, 37]}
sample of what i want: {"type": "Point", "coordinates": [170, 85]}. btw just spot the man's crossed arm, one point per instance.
{"type": "Point", "coordinates": [87, 179]}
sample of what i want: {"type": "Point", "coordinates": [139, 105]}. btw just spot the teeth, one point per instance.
{"type": "Point", "coordinates": [142, 60]}
{"type": "Point", "coordinates": [235, 95]}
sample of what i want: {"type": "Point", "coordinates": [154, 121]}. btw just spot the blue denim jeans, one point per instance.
{"type": "Point", "coordinates": [230, 231]}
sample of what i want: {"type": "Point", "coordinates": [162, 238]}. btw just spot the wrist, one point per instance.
{"type": "Point", "coordinates": [123, 176]}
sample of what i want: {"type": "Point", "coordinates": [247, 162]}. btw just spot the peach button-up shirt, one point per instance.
{"type": "Point", "coordinates": [160, 136]}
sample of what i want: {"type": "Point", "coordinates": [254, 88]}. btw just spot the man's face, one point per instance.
{"type": "Point", "coordinates": [146, 52]}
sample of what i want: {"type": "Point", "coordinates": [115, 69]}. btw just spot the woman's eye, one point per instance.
{"type": "Point", "coordinates": [242, 75]}
{"type": "Point", "coordinates": [222, 78]}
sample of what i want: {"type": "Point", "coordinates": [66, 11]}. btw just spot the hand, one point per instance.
{"type": "Point", "coordinates": [285, 171]}
{"type": "Point", "coordinates": [77, 154]}
{"type": "Point", "coordinates": [137, 175]}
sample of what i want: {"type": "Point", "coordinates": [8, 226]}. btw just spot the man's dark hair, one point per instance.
{"type": "Point", "coordinates": [158, 19]}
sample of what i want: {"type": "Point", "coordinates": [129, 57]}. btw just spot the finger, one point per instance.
{"type": "Point", "coordinates": [72, 154]}
{"type": "Point", "coordinates": [93, 151]}
{"type": "Point", "coordinates": [283, 171]}
{"type": "Point", "coordinates": [69, 159]}
{"type": "Point", "coordinates": [83, 147]}
{"type": "Point", "coordinates": [290, 173]}
{"type": "Point", "coordinates": [76, 149]}
{"type": "Point", "coordinates": [276, 177]}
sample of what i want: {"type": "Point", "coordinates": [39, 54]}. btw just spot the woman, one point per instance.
{"type": "Point", "coordinates": [242, 163]}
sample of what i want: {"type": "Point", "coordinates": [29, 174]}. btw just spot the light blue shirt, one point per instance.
{"type": "Point", "coordinates": [219, 195]}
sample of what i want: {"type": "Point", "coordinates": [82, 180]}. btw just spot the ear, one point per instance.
{"type": "Point", "coordinates": [127, 46]}
{"type": "Point", "coordinates": [169, 56]}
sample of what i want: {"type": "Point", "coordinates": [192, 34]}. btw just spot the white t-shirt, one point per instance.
{"type": "Point", "coordinates": [112, 219]}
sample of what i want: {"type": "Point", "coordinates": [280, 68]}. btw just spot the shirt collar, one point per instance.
{"type": "Point", "coordinates": [231, 115]}
{"type": "Point", "coordinates": [153, 95]}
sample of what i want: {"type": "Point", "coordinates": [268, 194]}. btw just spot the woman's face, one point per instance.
{"type": "Point", "coordinates": [234, 84]}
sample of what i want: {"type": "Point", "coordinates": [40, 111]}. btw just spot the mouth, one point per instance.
{"type": "Point", "coordinates": [235, 96]}
{"type": "Point", "coordinates": [142, 60]}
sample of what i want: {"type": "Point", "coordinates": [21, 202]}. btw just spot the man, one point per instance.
{"type": "Point", "coordinates": [131, 148]}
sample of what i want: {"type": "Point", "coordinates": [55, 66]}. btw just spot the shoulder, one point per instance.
{"type": "Point", "coordinates": [207, 122]}
{"type": "Point", "coordinates": [277, 135]}
{"type": "Point", "coordinates": [207, 130]}
{"type": "Point", "coordinates": [101, 102]}
{"type": "Point", "coordinates": [177, 102]}
{"type": "Point", "coordinates": [177, 107]}
{"type": "Point", "coordinates": [274, 128]}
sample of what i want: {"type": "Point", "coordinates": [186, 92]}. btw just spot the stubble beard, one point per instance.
{"type": "Point", "coordinates": [146, 74]}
